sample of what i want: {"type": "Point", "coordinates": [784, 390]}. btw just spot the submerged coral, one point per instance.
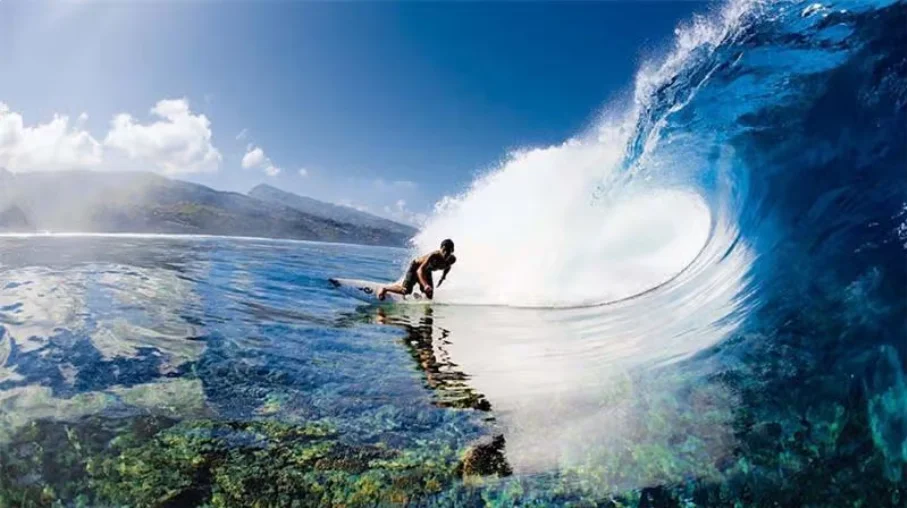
{"type": "Point", "coordinates": [158, 462]}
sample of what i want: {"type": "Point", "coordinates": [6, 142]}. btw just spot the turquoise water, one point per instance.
{"type": "Point", "coordinates": [239, 327]}
{"type": "Point", "coordinates": [106, 331]}
{"type": "Point", "coordinates": [183, 371]}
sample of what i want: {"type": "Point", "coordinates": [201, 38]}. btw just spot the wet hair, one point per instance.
{"type": "Point", "coordinates": [447, 245]}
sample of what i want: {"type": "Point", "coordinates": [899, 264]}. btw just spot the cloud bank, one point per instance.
{"type": "Point", "coordinates": [50, 146]}
{"type": "Point", "coordinates": [177, 142]}
{"type": "Point", "coordinates": [255, 158]}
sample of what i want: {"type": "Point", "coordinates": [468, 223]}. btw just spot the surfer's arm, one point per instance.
{"type": "Point", "coordinates": [447, 270]}
{"type": "Point", "coordinates": [420, 273]}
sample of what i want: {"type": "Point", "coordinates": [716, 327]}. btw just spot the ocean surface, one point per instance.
{"type": "Point", "coordinates": [699, 301]}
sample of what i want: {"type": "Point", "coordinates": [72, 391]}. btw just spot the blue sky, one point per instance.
{"type": "Point", "coordinates": [378, 103]}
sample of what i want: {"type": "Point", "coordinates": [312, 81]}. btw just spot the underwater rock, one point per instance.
{"type": "Point", "coordinates": [485, 457]}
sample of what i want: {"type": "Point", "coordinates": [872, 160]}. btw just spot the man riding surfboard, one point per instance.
{"type": "Point", "coordinates": [420, 272]}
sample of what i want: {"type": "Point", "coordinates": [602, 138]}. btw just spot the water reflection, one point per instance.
{"type": "Point", "coordinates": [428, 346]}
{"type": "Point", "coordinates": [61, 320]}
{"type": "Point", "coordinates": [82, 333]}
{"type": "Point", "coordinates": [584, 389]}
{"type": "Point", "coordinates": [19, 406]}
{"type": "Point", "coordinates": [35, 302]}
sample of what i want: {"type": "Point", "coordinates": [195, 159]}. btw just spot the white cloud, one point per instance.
{"type": "Point", "coordinates": [303, 172]}
{"type": "Point", "coordinates": [255, 158]}
{"type": "Point", "coordinates": [350, 204]}
{"type": "Point", "coordinates": [242, 134]}
{"type": "Point", "coordinates": [47, 146]}
{"type": "Point", "coordinates": [383, 185]}
{"type": "Point", "coordinates": [180, 142]}
{"type": "Point", "coordinates": [401, 213]}
{"type": "Point", "coordinates": [387, 198]}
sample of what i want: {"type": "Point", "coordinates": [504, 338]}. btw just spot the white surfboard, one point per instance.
{"type": "Point", "coordinates": [367, 291]}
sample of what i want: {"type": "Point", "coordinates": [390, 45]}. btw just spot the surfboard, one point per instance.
{"type": "Point", "coordinates": [367, 291]}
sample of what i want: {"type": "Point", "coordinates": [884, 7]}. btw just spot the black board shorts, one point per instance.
{"type": "Point", "coordinates": [412, 278]}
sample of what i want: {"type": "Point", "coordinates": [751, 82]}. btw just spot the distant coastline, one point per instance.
{"type": "Point", "coordinates": [108, 203]}
{"type": "Point", "coordinates": [187, 237]}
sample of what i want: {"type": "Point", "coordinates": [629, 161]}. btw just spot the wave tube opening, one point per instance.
{"type": "Point", "coordinates": [535, 233]}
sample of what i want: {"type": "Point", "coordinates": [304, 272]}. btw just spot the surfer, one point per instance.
{"type": "Point", "coordinates": [420, 269]}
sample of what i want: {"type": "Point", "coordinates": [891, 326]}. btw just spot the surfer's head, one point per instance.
{"type": "Point", "coordinates": [447, 247]}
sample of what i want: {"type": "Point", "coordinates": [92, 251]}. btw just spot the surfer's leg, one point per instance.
{"type": "Point", "coordinates": [403, 288]}
{"type": "Point", "coordinates": [396, 288]}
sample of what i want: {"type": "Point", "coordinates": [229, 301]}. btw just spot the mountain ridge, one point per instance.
{"type": "Point", "coordinates": [329, 211]}
{"type": "Point", "coordinates": [141, 202]}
